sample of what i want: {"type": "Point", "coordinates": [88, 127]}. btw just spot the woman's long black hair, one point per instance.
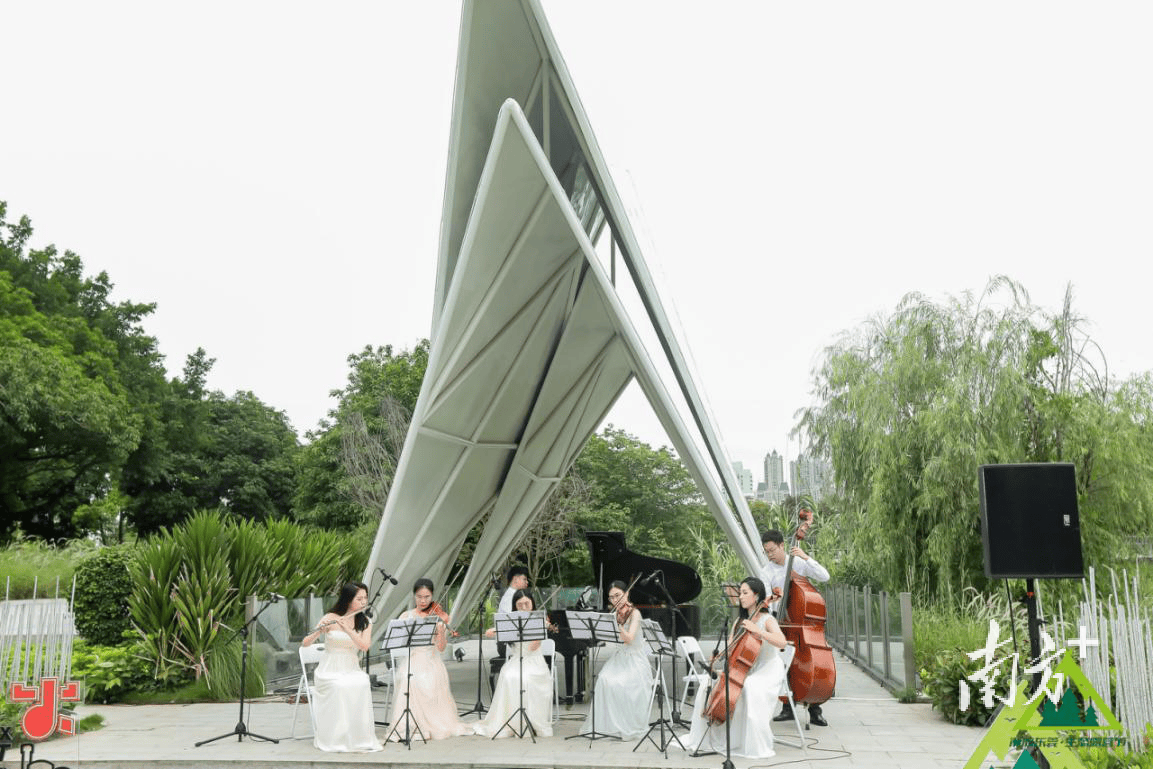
{"type": "Point", "coordinates": [344, 600]}
{"type": "Point", "coordinates": [526, 593]}
{"type": "Point", "coordinates": [758, 587]}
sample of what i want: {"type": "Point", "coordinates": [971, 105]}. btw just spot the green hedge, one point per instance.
{"type": "Point", "coordinates": [103, 585]}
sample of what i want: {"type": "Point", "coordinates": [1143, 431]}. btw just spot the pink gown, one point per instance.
{"type": "Point", "coordinates": [430, 697]}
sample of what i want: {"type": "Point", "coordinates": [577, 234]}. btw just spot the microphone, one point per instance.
{"type": "Point", "coordinates": [369, 612]}
{"type": "Point", "coordinates": [496, 581]}
{"type": "Point", "coordinates": [274, 597]}
{"type": "Point", "coordinates": [387, 576]}
{"type": "Point", "coordinates": [651, 578]}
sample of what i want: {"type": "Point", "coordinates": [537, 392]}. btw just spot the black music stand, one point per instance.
{"type": "Point", "coordinates": [519, 627]}
{"type": "Point", "coordinates": [240, 730]}
{"type": "Point", "coordinates": [408, 634]}
{"type": "Point", "coordinates": [479, 707]}
{"type": "Point", "coordinates": [659, 645]}
{"type": "Point", "coordinates": [595, 627]}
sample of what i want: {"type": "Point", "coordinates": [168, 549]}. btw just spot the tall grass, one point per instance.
{"type": "Point", "coordinates": [29, 563]}
{"type": "Point", "coordinates": [938, 627]}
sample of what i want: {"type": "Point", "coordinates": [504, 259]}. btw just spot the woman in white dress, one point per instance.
{"type": "Point", "coordinates": [751, 717]}
{"type": "Point", "coordinates": [433, 710]}
{"type": "Point", "coordinates": [621, 698]}
{"type": "Point", "coordinates": [506, 697]}
{"type": "Point", "coordinates": [343, 706]}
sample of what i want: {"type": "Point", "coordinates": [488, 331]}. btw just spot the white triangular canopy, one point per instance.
{"type": "Point", "coordinates": [531, 345]}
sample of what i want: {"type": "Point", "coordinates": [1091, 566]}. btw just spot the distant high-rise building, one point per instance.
{"type": "Point", "coordinates": [744, 479]}
{"type": "Point", "coordinates": [811, 476]}
{"type": "Point", "coordinates": [774, 478]}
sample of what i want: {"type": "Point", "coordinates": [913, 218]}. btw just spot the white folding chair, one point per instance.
{"type": "Point", "coordinates": [548, 649]}
{"type": "Point", "coordinates": [787, 659]}
{"type": "Point", "coordinates": [690, 649]}
{"type": "Point", "coordinates": [309, 655]}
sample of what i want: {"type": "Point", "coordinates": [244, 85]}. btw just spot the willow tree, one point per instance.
{"type": "Point", "coordinates": [911, 403]}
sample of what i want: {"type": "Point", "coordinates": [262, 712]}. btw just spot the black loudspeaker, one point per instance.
{"type": "Point", "coordinates": [1029, 521]}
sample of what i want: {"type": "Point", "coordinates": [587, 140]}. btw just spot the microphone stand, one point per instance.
{"type": "Point", "coordinates": [728, 762]}
{"type": "Point", "coordinates": [373, 681]}
{"type": "Point", "coordinates": [240, 730]}
{"type": "Point", "coordinates": [673, 613]}
{"type": "Point", "coordinates": [479, 707]}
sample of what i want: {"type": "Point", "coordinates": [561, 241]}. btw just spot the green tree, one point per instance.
{"type": "Point", "coordinates": [345, 470]}
{"type": "Point", "coordinates": [647, 493]}
{"type": "Point", "coordinates": [912, 403]}
{"type": "Point", "coordinates": [73, 368]}
{"type": "Point", "coordinates": [213, 451]}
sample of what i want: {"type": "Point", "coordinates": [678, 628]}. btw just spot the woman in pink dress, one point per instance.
{"type": "Point", "coordinates": [432, 708]}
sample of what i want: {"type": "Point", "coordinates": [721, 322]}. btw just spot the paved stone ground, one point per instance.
{"type": "Point", "coordinates": [868, 728]}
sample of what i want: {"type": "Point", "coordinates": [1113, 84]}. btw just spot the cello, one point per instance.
{"type": "Point", "coordinates": [813, 674]}
{"type": "Point", "coordinates": [742, 651]}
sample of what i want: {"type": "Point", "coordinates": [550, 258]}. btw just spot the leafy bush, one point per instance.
{"type": "Point", "coordinates": [103, 586]}
{"type": "Point", "coordinates": [941, 681]}
{"type": "Point", "coordinates": [1120, 758]}
{"type": "Point", "coordinates": [110, 672]}
{"type": "Point", "coordinates": [190, 582]}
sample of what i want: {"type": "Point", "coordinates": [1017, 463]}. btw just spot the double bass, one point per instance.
{"type": "Point", "coordinates": [813, 674]}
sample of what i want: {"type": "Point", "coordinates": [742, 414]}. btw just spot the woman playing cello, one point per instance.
{"type": "Point", "coordinates": [756, 638]}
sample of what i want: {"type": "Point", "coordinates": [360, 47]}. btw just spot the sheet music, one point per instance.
{"type": "Point", "coordinates": [416, 631]}
{"type": "Point", "coordinates": [593, 626]}
{"type": "Point", "coordinates": [518, 626]}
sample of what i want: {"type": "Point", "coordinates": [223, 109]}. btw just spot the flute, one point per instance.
{"type": "Point", "coordinates": [334, 621]}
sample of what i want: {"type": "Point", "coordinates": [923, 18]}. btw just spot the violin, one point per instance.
{"type": "Point", "coordinates": [623, 612]}
{"type": "Point", "coordinates": [438, 610]}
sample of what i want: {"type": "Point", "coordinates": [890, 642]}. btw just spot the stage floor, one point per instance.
{"type": "Point", "coordinates": [868, 728]}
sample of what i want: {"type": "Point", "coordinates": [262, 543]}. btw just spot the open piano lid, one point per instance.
{"type": "Point", "coordinates": [612, 560]}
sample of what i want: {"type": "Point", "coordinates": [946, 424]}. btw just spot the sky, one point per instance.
{"type": "Point", "coordinates": [271, 174]}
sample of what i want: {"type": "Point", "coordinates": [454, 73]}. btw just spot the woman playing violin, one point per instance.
{"type": "Point", "coordinates": [751, 717]}
{"type": "Point", "coordinates": [430, 697]}
{"type": "Point", "coordinates": [621, 697]}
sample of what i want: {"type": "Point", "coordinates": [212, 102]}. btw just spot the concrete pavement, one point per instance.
{"type": "Point", "coordinates": [867, 729]}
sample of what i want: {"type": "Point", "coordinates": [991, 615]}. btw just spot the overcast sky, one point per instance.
{"type": "Point", "coordinates": [271, 174]}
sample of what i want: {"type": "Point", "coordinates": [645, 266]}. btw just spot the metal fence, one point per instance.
{"type": "Point", "coordinates": [36, 635]}
{"type": "Point", "coordinates": [875, 632]}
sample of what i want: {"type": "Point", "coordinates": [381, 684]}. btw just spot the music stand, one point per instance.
{"type": "Point", "coordinates": [519, 627]}
{"type": "Point", "coordinates": [659, 645]}
{"type": "Point", "coordinates": [408, 634]}
{"type": "Point", "coordinates": [595, 627]}
{"type": "Point", "coordinates": [479, 707]}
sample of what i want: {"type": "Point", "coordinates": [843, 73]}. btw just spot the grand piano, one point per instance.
{"type": "Point", "coordinates": [658, 580]}
{"type": "Point", "coordinates": [611, 560]}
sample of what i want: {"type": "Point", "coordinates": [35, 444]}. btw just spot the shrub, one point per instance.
{"type": "Point", "coordinates": [103, 586]}
{"type": "Point", "coordinates": [941, 681]}
{"type": "Point", "coordinates": [192, 581]}
{"type": "Point", "coordinates": [110, 672]}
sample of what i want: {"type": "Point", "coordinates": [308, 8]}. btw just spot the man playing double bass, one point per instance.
{"type": "Point", "coordinates": [804, 565]}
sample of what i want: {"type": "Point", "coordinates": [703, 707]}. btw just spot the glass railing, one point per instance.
{"type": "Point", "coordinates": [874, 631]}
